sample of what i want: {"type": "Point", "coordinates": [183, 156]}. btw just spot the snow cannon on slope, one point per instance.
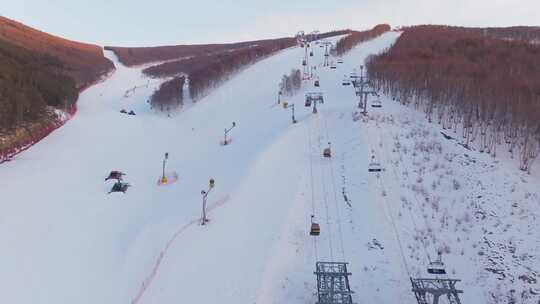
{"type": "Point", "coordinates": [167, 178]}
{"type": "Point", "coordinates": [119, 187]}
{"type": "Point", "coordinates": [117, 175]}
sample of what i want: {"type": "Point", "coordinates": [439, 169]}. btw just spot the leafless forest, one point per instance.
{"type": "Point", "coordinates": [484, 87]}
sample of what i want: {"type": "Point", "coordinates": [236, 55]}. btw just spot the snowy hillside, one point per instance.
{"type": "Point", "coordinates": [65, 240]}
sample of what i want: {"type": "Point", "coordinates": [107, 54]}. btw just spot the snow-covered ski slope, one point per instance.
{"type": "Point", "coordinates": [64, 240]}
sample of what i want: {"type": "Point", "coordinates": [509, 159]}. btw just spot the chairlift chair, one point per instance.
{"type": "Point", "coordinates": [333, 66]}
{"type": "Point", "coordinates": [311, 53]}
{"type": "Point", "coordinates": [131, 112]}
{"type": "Point", "coordinates": [346, 81]}
{"type": "Point", "coordinates": [376, 103]}
{"type": "Point", "coordinates": [374, 166]}
{"type": "Point", "coordinates": [304, 62]}
{"type": "Point", "coordinates": [317, 84]}
{"type": "Point", "coordinates": [437, 266]}
{"type": "Point", "coordinates": [308, 101]}
{"type": "Point", "coordinates": [340, 60]}
{"type": "Point", "coordinates": [315, 228]}
{"type": "Point", "coordinates": [123, 111]}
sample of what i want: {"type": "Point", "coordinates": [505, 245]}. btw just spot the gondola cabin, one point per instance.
{"type": "Point", "coordinates": [315, 229]}
{"type": "Point", "coordinates": [327, 152]}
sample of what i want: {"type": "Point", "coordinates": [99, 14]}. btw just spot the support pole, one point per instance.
{"type": "Point", "coordinates": [225, 142]}
{"type": "Point", "coordinates": [293, 118]}
{"type": "Point", "coordinates": [163, 177]}
{"type": "Point", "coordinates": [204, 194]}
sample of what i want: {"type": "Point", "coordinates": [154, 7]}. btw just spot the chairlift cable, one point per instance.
{"type": "Point", "coordinates": [310, 148]}
{"type": "Point", "coordinates": [325, 195]}
{"type": "Point", "coordinates": [392, 221]}
{"type": "Point", "coordinates": [338, 215]}
{"type": "Point", "coordinates": [424, 246]}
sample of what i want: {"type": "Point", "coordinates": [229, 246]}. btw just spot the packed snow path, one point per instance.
{"type": "Point", "coordinates": [64, 240]}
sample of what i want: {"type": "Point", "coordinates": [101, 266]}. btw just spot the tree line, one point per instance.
{"type": "Point", "coordinates": [169, 94]}
{"type": "Point", "coordinates": [291, 84]}
{"type": "Point", "coordinates": [348, 42]}
{"type": "Point", "coordinates": [208, 70]}
{"type": "Point", "coordinates": [486, 88]}
{"type": "Point", "coordinates": [29, 84]}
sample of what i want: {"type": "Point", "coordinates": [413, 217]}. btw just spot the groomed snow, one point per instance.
{"type": "Point", "coordinates": [64, 240]}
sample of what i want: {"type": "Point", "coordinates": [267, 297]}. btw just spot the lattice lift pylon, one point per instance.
{"type": "Point", "coordinates": [429, 291]}
{"type": "Point", "coordinates": [333, 283]}
{"type": "Point", "coordinates": [326, 53]}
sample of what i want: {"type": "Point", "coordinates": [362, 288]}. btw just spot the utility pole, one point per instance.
{"type": "Point", "coordinates": [204, 194]}
{"type": "Point", "coordinates": [225, 142]}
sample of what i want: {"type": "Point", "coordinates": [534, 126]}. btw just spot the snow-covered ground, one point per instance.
{"type": "Point", "coordinates": [64, 240]}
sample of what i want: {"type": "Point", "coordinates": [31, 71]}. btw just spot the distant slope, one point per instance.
{"type": "Point", "coordinates": [132, 56]}
{"type": "Point", "coordinates": [40, 74]}
{"type": "Point", "coordinates": [84, 62]}
{"type": "Point", "coordinates": [30, 82]}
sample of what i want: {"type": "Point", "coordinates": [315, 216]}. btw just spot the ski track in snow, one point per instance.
{"type": "Point", "coordinates": [150, 278]}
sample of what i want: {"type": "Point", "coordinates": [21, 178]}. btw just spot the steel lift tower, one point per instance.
{"type": "Point", "coordinates": [303, 40]}
{"type": "Point", "coordinates": [326, 53]}
{"type": "Point", "coordinates": [362, 90]}
{"type": "Point", "coordinates": [333, 283]}
{"type": "Point", "coordinates": [429, 291]}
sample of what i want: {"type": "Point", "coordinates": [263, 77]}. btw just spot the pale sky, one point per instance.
{"type": "Point", "coordinates": [165, 22]}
